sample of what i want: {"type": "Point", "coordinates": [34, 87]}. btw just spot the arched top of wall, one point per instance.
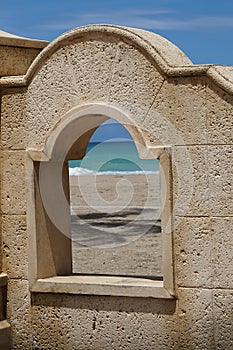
{"type": "Point", "coordinates": [164, 53]}
{"type": "Point", "coordinates": [117, 67]}
{"type": "Point", "coordinates": [168, 57]}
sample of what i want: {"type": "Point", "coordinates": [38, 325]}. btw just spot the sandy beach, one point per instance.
{"type": "Point", "coordinates": [115, 224]}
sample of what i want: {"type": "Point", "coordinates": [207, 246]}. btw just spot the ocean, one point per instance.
{"type": "Point", "coordinates": [109, 157]}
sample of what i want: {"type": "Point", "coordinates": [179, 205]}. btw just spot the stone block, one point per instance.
{"type": "Point", "coordinates": [190, 181]}
{"type": "Point", "coordinates": [81, 322]}
{"type": "Point", "coordinates": [135, 82]}
{"type": "Point", "coordinates": [13, 117]}
{"type": "Point", "coordinates": [18, 313]}
{"type": "Point", "coordinates": [15, 256]}
{"type": "Point", "coordinates": [195, 324]}
{"type": "Point", "coordinates": [222, 252]}
{"type": "Point", "coordinates": [203, 252]}
{"type": "Point", "coordinates": [220, 160]}
{"type": "Point", "coordinates": [23, 124]}
{"type": "Point", "coordinates": [37, 125]}
{"type": "Point", "coordinates": [16, 60]}
{"type": "Point", "coordinates": [223, 313]}
{"type": "Point", "coordinates": [13, 183]}
{"type": "Point", "coordinates": [193, 242]}
{"type": "Point", "coordinates": [17, 53]}
{"type": "Point", "coordinates": [219, 112]}
{"type": "Point", "coordinates": [177, 115]}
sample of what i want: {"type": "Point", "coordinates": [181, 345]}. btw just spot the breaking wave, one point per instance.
{"type": "Point", "coordinates": [78, 171]}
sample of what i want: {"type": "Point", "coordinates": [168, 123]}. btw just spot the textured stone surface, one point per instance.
{"type": "Point", "coordinates": [219, 111]}
{"type": "Point", "coordinates": [190, 181]}
{"type": "Point", "coordinates": [122, 75]}
{"type": "Point", "coordinates": [13, 199]}
{"type": "Point", "coordinates": [175, 120]}
{"type": "Point", "coordinates": [220, 180]}
{"type": "Point", "coordinates": [223, 311]}
{"type": "Point", "coordinates": [15, 256]}
{"type": "Point", "coordinates": [16, 60]}
{"type": "Point", "coordinates": [204, 252]}
{"type": "Point", "coordinates": [76, 83]}
{"type": "Point", "coordinates": [223, 252]}
{"type": "Point", "coordinates": [78, 322]}
{"type": "Point", "coordinates": [195, 323]}
{"type": "Point", "coordinates": [18, 313]}
{"type": "Point", "coordinates": [203, 180]}
{"type": "Point", "coordinates": [135, 81]}
{"type": "Point", "coordinates": [193, 240]}
{"type": "Point", "coordinates": [17, 53]}
{"type": "Point", "coordinates": [42, 92]}
{"type": "Point", "coordinates": [91, 63]}
{"type": "Point", "coordinates": [13, 121]}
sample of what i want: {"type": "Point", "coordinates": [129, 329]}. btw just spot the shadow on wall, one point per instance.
{"type": "Point", "coordinates": [106, 303]}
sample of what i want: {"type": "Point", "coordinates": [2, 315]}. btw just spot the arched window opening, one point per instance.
{"type": "Point", "coordinates": [115, 203]}
{"type": "Point", "coordinates": [101, 200]}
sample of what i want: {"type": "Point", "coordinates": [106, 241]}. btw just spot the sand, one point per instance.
{"type": "Point", "coordinates": [116, 224]}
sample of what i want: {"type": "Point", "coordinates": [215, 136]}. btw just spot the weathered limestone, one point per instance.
{"type": "Point", "coordinates": [18, 313]}
{"type": "Point", "coordinates": [117, 323]}
{"type": "Point", "coordinates": [13, 200]}
{"type": "Point", "coordinates": [196, 329]}
{"type": "Point", "coordinates": [222, 252]}
{"type": "Point", "coordinates": [222, 306]}
{"type": "Point", "coordinates": [168, 119]}
{"type": "Point", "coordinates": [218, 116]}
{"type": "Point", "coordinates": [190, 181]}
{"type": "Point", "coordinates": [134, 81]}
{"type": "Point", "coordinates": [176, 111]}
{"type": "Point", "coordinates": [15, 256]}
{"type": "Point", "coordinates": [204, 246]}
{"type": "Point", "coordinates": [13, 124]}
{"type": "Point", "coordinates": [194, 252]}
{"type": "Point", "coordinates": [220, 180]}
{"type": "Point", "coordinates": [17, 53]}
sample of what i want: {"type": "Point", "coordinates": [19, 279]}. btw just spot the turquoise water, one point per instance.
{"type": "Point", "coordinates": [112, 157]}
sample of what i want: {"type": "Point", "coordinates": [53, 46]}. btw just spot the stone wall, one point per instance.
{"type": "Point", "coordinates": [173, 104]}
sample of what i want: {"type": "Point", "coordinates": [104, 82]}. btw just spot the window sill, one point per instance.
{"type": "Point", "coordinates": [103, 285]}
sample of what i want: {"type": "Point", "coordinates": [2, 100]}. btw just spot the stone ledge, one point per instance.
{"type": "Point", "coordinates": [103, 285]}
{"type": "Point", "coordinates": [8, 39]}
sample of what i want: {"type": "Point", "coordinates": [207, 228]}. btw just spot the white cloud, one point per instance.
{"type": "Point", "coordinates": [161, 19]}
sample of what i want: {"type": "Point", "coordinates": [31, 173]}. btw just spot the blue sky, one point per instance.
{"type": "Point", "coordinates": [110, 130]}
{"type": "Point", "coordinates": [203, 29]}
